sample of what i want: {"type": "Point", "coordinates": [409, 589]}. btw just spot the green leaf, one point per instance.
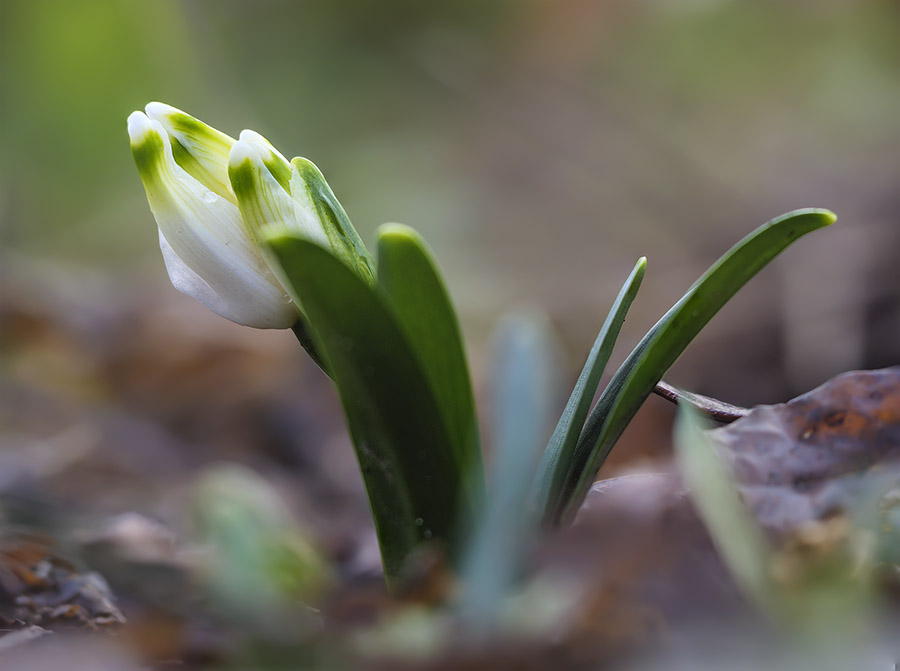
{"type": "Point", "coordinates": [561, 449]}
{"type": "Point", "coordinates": [736, 535]}
{"type": "Point", "coordinates": [665, 342]}
{"type": "Point", "coordinates": [405, 454]}
{"type": "Point", "coordinates": [408, 273]}
{"type": "Point", "coordinates": [523, 390]}
{"type": "Point", "coordinates": [303, 331]}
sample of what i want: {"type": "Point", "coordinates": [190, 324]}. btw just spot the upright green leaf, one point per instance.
{"type": "Point", "coordinates": [665, 342]}
{"type": "Point", "coordinates": [523, 389]}
{"type": "Point", "coordinates": [561, 448]}
{"type": "Point", "coordinates": [409, 275]}
{"type": "Point", "coordinates": [403, 446]}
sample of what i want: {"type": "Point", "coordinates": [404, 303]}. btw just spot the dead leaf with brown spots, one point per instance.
{"type": "Point", "coordinates": [816, 456]}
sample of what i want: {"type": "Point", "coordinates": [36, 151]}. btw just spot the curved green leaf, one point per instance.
{"type": "Point", "coordinates": [409, 275]}
{"type": "Point", "coordinates": [407, 460]}
{"type": "Point", "coordinates": [665, 342]}
{"type": "Point", "coordinates": [560, 450]}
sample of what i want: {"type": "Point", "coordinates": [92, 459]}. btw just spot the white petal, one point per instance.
{"type": "Point", "coordinates": [199, 148]}
{"type": "Point", "coordinates": [204, 238]}
{"type": "Point", "coordinates": [256, 314]}
{"type": "Point", "coordinates": [272, 158]}
{"type": "Point", "coordinates": [140, 128]}
{"type": "Point", "coordinates": [188, 282]}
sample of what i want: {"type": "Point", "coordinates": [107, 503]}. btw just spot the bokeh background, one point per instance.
{"type": "Point", "coordinates": [541, 146]}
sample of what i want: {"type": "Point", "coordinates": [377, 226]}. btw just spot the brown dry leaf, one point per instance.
{"type": "Point", "coordinates": [818, 455]}
{"type": "Point", "coordinates": [646, 569]}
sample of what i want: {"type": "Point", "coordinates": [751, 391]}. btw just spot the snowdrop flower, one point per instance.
{"type": "Point", "coordinates": [215, 199]}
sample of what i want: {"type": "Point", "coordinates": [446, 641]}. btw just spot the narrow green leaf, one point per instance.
{"type": "Point", "coordinates": [406, 457]}
{"type": "Point", "coordinates": [524, 384]}
{"type": "Point", "coordinates": [561, 448]}
{"type": "Point", "coordinates": [408, 273]}
{"type": "Point", "coordinates": [665, 342]}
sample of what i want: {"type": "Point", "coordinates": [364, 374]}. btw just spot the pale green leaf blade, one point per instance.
{"type": "Point", "coordinates": [525, 361]}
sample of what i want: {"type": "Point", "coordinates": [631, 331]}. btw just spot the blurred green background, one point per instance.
{"type": "Point", "coordinates": [540, 145]}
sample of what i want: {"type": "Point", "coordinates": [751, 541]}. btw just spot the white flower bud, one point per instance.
{"type": "Point", "coordinates": [208, 250]}
{"type": "Point", "coordinates": [215, 200]}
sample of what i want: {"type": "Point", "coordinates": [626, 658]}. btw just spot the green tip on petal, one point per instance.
{"type": "Point", "coordinates": [183, 125]}
{"type": "Point", "coordinates": [147, 145]}
{"type": "Point", "coordinates": [270, 157]}
{"type": "Point", "coordinates": [262, 198]}
{"type": "Point", "coordinates": [200, 149]}
{"type": "Point", "coordinates": [242, 174]}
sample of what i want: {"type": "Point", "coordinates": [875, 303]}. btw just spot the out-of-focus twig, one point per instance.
{"type": "Point", "coordinates": [711, 407]}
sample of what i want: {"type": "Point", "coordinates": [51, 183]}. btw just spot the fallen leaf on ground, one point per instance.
{"type": "Point", "coordinates": [824, 453]}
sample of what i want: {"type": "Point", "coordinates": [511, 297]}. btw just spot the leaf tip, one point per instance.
{"type": "Point", "coordinates": [829, 216]}
{"type": "Point", "coordinates": [393, 232]}
{"type": "Point", "coordinates": [825, 216]}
